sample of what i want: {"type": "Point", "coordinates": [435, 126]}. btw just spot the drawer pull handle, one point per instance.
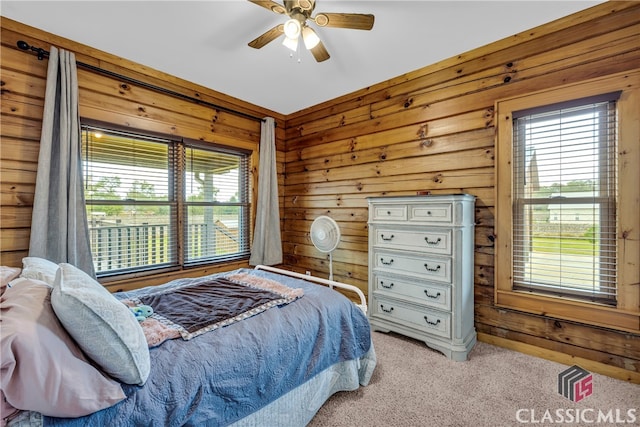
{"type": "Point", "coordinates": [431, 323]}
{"type": "Point", "coordinates": [388, 212]}
{"type": "Point", "coordinates": [432, 242]}
{"type": "Point", "coordinates": [389, 286]}
{"type": "Point", "coordinates": [387, 310]}
{"type": "Point", "coordinates": [428, 212]}
{"type": "Point", "coordinates": [389, 262]}
{"type": "Point", "coordinates": [426, 292]}
{"type": "Point", "coordinates": [387, 239]}
{"type": "Point", "coordinates": [432, 269]}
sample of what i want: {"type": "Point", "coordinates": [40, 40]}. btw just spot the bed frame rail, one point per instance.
{"type": "Point", "coordinates": [330, 283]}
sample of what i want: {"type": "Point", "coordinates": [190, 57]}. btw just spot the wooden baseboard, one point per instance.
{"type": "Point", "coordinates": [566, 359]}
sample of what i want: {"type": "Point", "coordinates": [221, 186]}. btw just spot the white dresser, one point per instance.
{"type": "Point", "coordinates": [421, 269]}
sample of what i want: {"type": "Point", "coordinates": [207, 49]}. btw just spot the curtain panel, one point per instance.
{"type": "Point", "coordinates": [59, 228]}
{"type": "Point", "coordinates": [267, 243]}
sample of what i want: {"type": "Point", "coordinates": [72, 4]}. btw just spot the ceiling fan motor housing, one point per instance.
{"type": "Point", "coordinates": [305, 6]}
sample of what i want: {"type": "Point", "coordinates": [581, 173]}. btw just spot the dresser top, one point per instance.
{"type": "Point", "coordinates": [425, 198]}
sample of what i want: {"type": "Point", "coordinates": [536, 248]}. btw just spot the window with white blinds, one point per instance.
{"type": "Point", "coordinates": [564, 199]}
{"type": "Point", "coordinates": [216, 204]}
{"type": "Point", "coordinates": [137, 187]}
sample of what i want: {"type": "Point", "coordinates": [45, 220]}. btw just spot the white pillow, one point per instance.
{"type": "Point", "coordinates": [39, 269]}
{"type": "Point", "coordinates": [104, 328]}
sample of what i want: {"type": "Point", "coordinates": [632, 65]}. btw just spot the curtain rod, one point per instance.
{"type": "Point", "coordinates": [43, 53]}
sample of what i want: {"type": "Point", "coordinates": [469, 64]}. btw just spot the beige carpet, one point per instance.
{"type": "Point", "coordinates": [415, 386]}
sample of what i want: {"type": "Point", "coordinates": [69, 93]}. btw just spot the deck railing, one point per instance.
{"type": "Point", "coordinates": [118, 247]}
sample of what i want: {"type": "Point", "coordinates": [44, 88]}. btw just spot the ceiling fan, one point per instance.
{"type": "Point", "coordinates": [299, 12]}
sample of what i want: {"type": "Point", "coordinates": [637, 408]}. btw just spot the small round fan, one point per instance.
{"type": "Point", "coordinates": [325, 236]}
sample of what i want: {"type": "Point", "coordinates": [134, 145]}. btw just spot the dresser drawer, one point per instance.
{"type": "Point", "coordinates": [389, 212]}
{"type": "Point", "coordinates": [431, 241]}
{"type": "Point", "coordinates": [431, 294]}
{"type": "Point", "coordinates": [441, 213]}
{"type": "Point", "coordinates": [431, 321]}
{"type": "Point", "coordinates": [430, 268]}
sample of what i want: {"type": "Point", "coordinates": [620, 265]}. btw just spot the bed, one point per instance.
{"type": "Point", "coordinates": [273, 365]}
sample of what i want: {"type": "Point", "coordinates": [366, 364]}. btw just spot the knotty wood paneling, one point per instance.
{"type": "Point", "coordinates": [108, 100]}
{"type": "Point", "coordinates": [430, 129]}
{"type": "Point", "coordinates": [433, 129]}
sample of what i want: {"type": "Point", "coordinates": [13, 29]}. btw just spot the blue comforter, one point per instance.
{"type": "Point", "coordinates": [224, 375]}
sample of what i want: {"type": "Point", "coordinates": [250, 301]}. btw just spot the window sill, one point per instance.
{"type": "Point", "coordinates": [573, 310]}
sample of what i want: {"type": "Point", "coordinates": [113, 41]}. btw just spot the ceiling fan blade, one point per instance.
{"type": "Point", "coordinates": [356, 21]}
{"type": "Point", "coordinates": [320, 52]}
{"type": "Point", "coordinates": [271, 5]}
{"type": "Point", "coordinates": [267, 37]}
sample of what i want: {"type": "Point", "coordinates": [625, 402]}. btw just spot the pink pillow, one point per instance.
{"type": "Point", "coordinates": [42, 368]}
{"type": "Point", "coordinates": [7, 274]}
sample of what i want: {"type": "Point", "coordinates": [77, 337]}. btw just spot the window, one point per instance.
{"type": "Point", "coordinates": [564, 161]}
{"type": "Point", "coordinates": [216, 208]}
{"type": "Point", "coordinates": [567, 203]}
{"type": "Point", "coordinates": [156, 203]}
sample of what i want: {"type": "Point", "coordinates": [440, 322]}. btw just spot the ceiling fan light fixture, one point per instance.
{"type": "Point", "coordinates": [292, 29]}
{"type": "Point", "coordinates": [310, 38]}
{"type": "Point", "coordinates": [290, 43]}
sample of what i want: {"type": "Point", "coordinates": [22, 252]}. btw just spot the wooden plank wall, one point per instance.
{"type": "Point", "coordinates": [430, 129]}
{"type": "Point", "coordinates": [109, 100]}
{"type": "Point", "coordinates": [433, 130]}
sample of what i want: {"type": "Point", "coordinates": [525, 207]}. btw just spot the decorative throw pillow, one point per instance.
{"type": "Point", "coordinates": [39, 269]}
{"type": "Point", "coordinates": [42, 367]}
{"type": "Point", "coordinates": [104, 328]}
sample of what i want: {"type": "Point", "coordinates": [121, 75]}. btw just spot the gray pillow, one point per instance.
{"type": "Point", "coordinates": [104, 328]}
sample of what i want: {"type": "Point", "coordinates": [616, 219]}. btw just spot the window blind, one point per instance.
{"type": "Point", "coordinates": [564, 199]}
{"type": "Point", "coordinates": [139, 188]}
{"type": "Point", "coordinates": [216, 204]}
{"type": "Point", "coordinates": [130, 199]}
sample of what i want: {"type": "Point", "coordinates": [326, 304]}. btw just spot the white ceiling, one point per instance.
{"type": "Point", "coordinates": [205, 42]}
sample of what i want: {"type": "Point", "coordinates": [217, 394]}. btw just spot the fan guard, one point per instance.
{"type": "Point", "coordinates": [325, 236]}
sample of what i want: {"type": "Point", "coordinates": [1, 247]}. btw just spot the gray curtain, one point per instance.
{"type": "Point", "coordinates": [59, 229]}
{"type": "Point", "coordinates": [267, 244]}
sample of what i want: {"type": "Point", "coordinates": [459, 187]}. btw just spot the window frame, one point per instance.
{"type": "Point", "coordinates": [176, 169]}
{"type": "Point", "coordinates": [604, 202]}
{"type": "Point", "coordinates": [244, 223]}
{"type": "Point", "coordinates": [170, 144]}
{"type": "Point", "coordinates": [625, 314]}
